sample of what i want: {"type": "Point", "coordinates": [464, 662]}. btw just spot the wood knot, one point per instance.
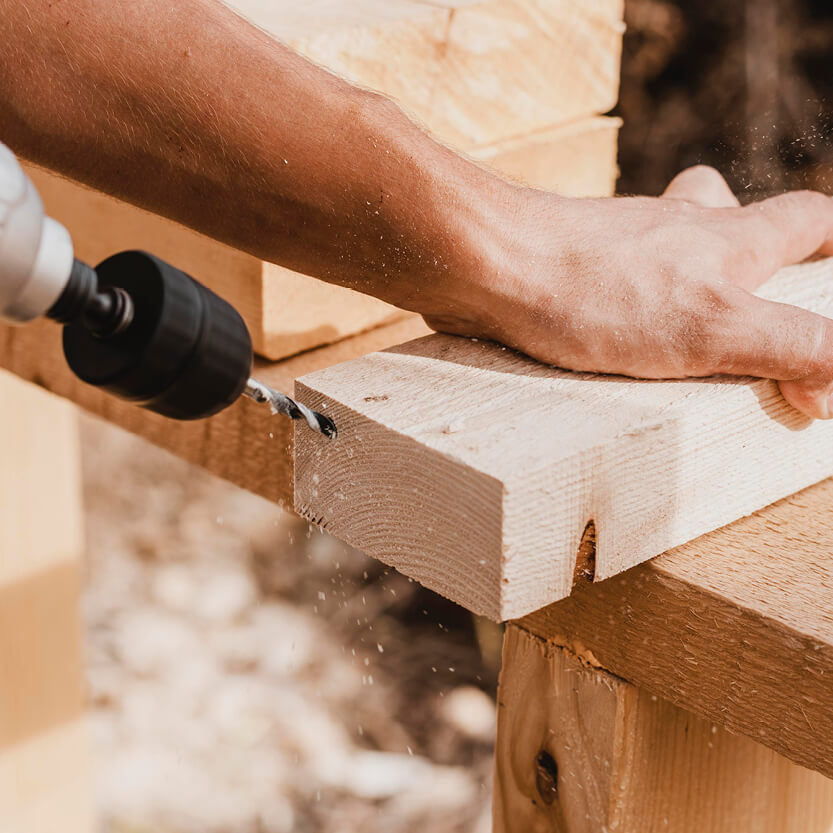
{"type": "Point", "coordinates": [546, 777]}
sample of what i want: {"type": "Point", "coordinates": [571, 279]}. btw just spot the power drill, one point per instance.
{"type": "Point", "coordinates": [134, 325]}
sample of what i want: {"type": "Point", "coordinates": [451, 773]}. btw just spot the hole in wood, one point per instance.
{"type": "Point", "coordinates": [586, 559]}
{"type": "Point", "coordinates": [546, 777]}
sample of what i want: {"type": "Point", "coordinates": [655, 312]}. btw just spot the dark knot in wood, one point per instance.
{"type": "Point", "coordinates": [546, 777]}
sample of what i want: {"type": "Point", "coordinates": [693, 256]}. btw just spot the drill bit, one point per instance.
{"type": "Point", "coordinates": [280, 403]}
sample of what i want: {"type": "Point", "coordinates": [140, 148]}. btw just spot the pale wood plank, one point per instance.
{"type": "Point", "coordinates": [583, 751]}
{"type": "Point", "coordinates": [244, 444]}
{"type": "Point", "coordinates": [473, 72]}
{"type": "Point", "coordinates": [476, 471]}
{"type": "Point", "coordinates": [574, 160]}
{"type": "Point", "coordinates": [515, 66]}
{"type": "Point", "coordinates": [736, 626]}
{"type": "Point", "coordinates": [44, 754]}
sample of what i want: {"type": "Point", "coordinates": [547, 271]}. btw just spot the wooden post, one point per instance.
{"type": "Point", "coordinates": [582, 751]}
{"type": "Point", "coordinates": [44, 767]}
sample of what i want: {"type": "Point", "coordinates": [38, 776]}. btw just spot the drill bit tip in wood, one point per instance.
{"type": "Point", "coordinates": [280, 403]}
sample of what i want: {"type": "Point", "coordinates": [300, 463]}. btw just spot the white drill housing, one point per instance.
{"type": "Point", "coordinates": [36, 253]}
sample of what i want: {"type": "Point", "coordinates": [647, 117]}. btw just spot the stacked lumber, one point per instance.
{"type": "Point", "coordinates": [478, 472]}
{"type": "Point", "coordinates": [517, 84]}
{"type": "Point", "coordinates": [44, 775]}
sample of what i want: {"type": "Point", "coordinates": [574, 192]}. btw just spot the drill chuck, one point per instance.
{"type": "Point", "coordinates": [151, 334]}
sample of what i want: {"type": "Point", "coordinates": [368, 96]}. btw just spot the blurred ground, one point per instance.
{"type": "Point", "coordinates": [250, 675]}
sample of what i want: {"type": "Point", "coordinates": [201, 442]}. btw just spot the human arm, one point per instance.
{"type": "Point", "coordinates": [186, 109]}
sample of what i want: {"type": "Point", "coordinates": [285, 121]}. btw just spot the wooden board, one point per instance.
{"type": "Point", "coordinates": [574, 160]}
{"type": "Point", "coordinates": [473, 72]}
{"type": "Point", "coordinates": [510, 67]}
{"type": "Point", "coordinates": [736, 626]}
{"type": "Point", "coordinates": [287, 312]}
{"type": "Point", "coordinates": [44, 767]}
{"type": "Point", "coordinates": [583, 751]}
{"type": "Point", "coordinates": [476, 471]}
{"type": "Point", "coordinates": [244, 444]}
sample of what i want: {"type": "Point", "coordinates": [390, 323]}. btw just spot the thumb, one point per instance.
{"type": "Point", "coordinates": [810, 396]}
{"type": "Point", "coordinates": [771, 340]}
{"type": "Point", "coordinates": [702, 185]}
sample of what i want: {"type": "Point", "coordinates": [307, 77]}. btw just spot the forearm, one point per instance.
{"type": "Point", "coordinates": [187, 110]}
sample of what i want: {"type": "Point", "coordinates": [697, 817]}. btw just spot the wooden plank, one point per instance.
{"type": "Point", "coordinates": [244, 444]}
{"type": "Point", "coordinates": [476, 471]}
{"type": "Point", "coordinates": [736, 626]}
{"type": "Point", "coordinates": [583, 751]}
{"type": "Point", "coordinates": [473, 72]}
{"type": "Point", "coordinates": [511, 67]}
{"type": "Point", "coordinates": [574, 160]}
{"type": "Point", "coordinates": [44, 766]}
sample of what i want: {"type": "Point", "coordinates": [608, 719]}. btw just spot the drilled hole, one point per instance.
{"type": "Point", "coordinates": [546, 777]}
{"type": "Point", "coordinates": [586, 559]}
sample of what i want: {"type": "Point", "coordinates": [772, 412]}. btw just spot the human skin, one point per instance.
{"type": "Point", "coordinates": [186, 109]}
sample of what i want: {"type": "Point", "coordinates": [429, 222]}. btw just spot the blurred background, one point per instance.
{"type": "Point", "coordinates": [248, 674]}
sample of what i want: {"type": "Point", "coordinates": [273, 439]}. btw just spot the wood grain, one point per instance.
{"type": "Point", "coordinates": [476, 471]}
{"type": "Point", "coordinates": [473, 73]}
{"type": "Point", "coordinates": [244, 444]}
{"type": "Point", "coordinates": [574, 160]}
{"type": "Point", "coordinates": [736, 626]}
{"type": "Point", "coordinates": [511, 67]}
{"type": "Point", "coordinates": [582, 751]}
{"type": "Point", "coordinates": [44, 753]}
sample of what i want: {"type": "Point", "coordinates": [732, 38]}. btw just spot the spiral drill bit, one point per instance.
{"type": "Point", "coordinates": [280, 403]}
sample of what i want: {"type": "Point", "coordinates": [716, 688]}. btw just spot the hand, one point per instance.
{"type": "Point", "coordinates": [659, 287]}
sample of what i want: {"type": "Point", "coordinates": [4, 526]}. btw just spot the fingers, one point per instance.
{"type": "Point", "coordinates": [702, 185]}
{"type": "Point", "coordinates": [793, 226]}
{"type": "Point", "coordinates": [763, 338]}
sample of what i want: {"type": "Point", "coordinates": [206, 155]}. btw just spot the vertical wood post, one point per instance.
{"type": "Point", "coordinates": [582, 751]}
{"type": "Point", "coordinates": [44, 765]}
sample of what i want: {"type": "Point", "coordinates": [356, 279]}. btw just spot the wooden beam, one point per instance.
{"type": "Point", "coordinates": [574, 160]}
{"type": "Point", "coordinates": [734, 626]}
{"type": "Point", "coordinates": [473, 72]}
{"type": "Point", "coordinates": [476, 471]}
{"type": "Point", "coordinates": [44, 753]}
{"type": "Point", "coordinates": [510, 67]}
{"type": "Point", "coordinates": [243, 444]}
{"type": "Point", "coordinates": [583, 751]}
